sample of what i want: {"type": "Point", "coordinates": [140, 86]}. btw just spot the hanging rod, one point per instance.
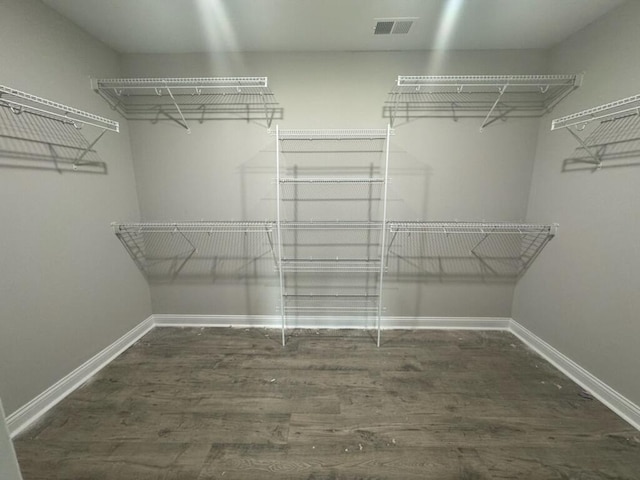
{"type": "Point", "coordinates": [19, 102]}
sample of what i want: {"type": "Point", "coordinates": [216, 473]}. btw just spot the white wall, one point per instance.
{"type": "Point", "coordinates": [440, 169]}
{"type": "Point", "coordinates": [9, 469]}
{"type": "Point", "coordinates": [581, 295]}
{"type": "Point", "coordinates": [67, 288]}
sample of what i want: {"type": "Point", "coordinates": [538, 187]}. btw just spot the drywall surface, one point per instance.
{"type": "Point", "coordinates": [441, 169]}
{"type": "Point", "coordinates": [67, 288]}
{"type": "Point", "coordinates": [9, 469]}
{"type": "Point", "coordinates": [581, 295]}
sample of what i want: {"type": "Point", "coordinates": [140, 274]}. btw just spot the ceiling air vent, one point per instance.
{"type": "Point", "coordinates": [393, 26]}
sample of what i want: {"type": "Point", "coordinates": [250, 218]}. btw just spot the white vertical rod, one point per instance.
{"type": "Point", "coordinates": [279, 231]}
{"type": "Point", "coordinates": [384, 230]}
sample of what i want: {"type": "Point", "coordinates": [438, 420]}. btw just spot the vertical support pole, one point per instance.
{"type": "Point", "coordinates": [279, 230]}
{"type": "Point", "coordinates": [384, 230]}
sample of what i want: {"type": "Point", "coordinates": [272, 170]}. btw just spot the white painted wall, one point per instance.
{"type": "Point", "coordinates": [67, 288]}
{"type": "Point", "coordinates": [581, 295]}
{"type": "Point", "coordinates": [9, 469]}
{"type": "Point", "coordinates": [440, 169]}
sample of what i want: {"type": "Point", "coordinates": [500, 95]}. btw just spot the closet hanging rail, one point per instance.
{"type": "Point", "coordinates": [31, 118]}
{"type": "Point", "coordinates": [185, 99]}
{"type": "Point", "coordinates": [491, 97]}
{"type": "Point", "coordinates": [618, 123]}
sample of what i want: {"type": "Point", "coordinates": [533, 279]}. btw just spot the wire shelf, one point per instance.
{"type": "Point", "coordinates": [490, 96]}
{"type": "Point", "coordinates": [456, 249]}
{"type": "Point", "coordinates": [616, 134]}
{"type": "Point", "coordinates": [337, 265]}
{"type": "Point", "coordinates": [331, 304]}
{"type": "Point", "coordinates": [167, 252]}
{"type": "Point", "coordinates": [334, 134]}
{"type": "Point", "coordinates": [22, 102]}
{"type": "Point", "coordinates": [48, 134]}
{"type": "Point", "coordinates": [182, 99]}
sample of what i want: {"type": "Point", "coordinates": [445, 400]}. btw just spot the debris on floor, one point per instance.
{"type": "Point", "coordinates": [585, 394]}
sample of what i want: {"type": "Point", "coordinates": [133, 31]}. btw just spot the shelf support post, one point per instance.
{"type": "Point", "coordinates": [78, 160]}
{"type": "Point", "coordinates": [596, 158]}
{"type": "Point", "coordinates": [184, 120]}
{"type": "Point", "coordinates": [501, 91]}
{"type": "Point", "coordinates": [279, 231]}
{"type": "Point", "coordinates": [383, 232]}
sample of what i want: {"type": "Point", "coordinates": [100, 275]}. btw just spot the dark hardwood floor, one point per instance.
{"type": "Point", "coordinates": [233, 404]}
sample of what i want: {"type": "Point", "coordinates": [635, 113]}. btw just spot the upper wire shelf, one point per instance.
{"type": "Point", "coordinates": [183, 99]}
{"type": "Point", "coordinates": [615, 135]}
{"type": "Point", "coordinates": [35, 128]}
{"type": "Point", "coordinates": [490, 96]}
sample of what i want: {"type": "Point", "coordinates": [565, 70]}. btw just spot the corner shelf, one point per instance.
{"type": "Point", "coordinates": [196, 99]}
{"type": "Point", "coordinates": [493, 97]}
{"type": "Point", "coordinates": [618, 124]}
{"type": "Point", "coordinates": [464, 249]}
{"type": "Point", "coordinates": [55, 128]}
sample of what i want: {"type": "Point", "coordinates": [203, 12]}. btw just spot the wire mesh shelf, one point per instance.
{"type": "Point", "coordinates": [490, 96]}
{"type": "Point", "coordinates": [615, 136]}
{"type": "Point", "coordinates": [337, 265]}
{"type": "Point", "coordinates": [48, 133]}
{"type": "Point", "coordinates": [457, 249]}
{"type": "Point", "coordinates": [167, 252]}
{"type": "Point", "coordinates": [183, 99]}
{"type": "Point", "coordinates": [331, 304]}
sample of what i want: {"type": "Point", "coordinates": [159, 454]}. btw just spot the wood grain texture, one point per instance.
{"type": "Point", "coordinates": [218, 403]}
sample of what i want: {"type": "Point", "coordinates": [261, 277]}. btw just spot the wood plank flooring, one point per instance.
{"type": "Point", "coordinates": [199, 404]}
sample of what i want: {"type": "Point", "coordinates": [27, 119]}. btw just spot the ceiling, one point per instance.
{"type": "Point", "coordinates": [180, 26]}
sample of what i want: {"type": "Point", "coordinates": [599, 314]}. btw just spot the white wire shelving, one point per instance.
{"type": "Point", "coordinates": [491, 97]}
{"type": "Point", "coordinates": [616, 131]}
{"type": "Point", "coordinates": [32, 126]}
{"type": "Point", "coordinates": [190, 99]}
{"type": "Point", "coordinates": [322, 174]}
{"type": "Point", "coordinates": [196, 250]}
{"type": "Point", "coordinates": [464, 249]}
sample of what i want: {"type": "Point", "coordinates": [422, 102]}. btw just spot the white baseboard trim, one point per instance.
{"type": "Point", "coordinates": [308, 321]}
{"type": "Point", "coordinates": [621, 405]}
{"type": "Point", "coordinates": [26, 415]}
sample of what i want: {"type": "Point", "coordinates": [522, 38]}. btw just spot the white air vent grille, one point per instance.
{"type": "Point", "coordinates": [393, 26]}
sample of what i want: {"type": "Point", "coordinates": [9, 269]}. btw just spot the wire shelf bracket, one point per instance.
{"type": "Point", "coordinates": [491, 97]}
{"type": "Point", "coordinates": [20, 103]}
{"type": "Point", "coordinates": [183, 99]}
{"type": "Point", "coordinates": [614, 126]}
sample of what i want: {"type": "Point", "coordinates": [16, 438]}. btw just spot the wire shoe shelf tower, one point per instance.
{"type": "Point", "coordinates": [331, 229]}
